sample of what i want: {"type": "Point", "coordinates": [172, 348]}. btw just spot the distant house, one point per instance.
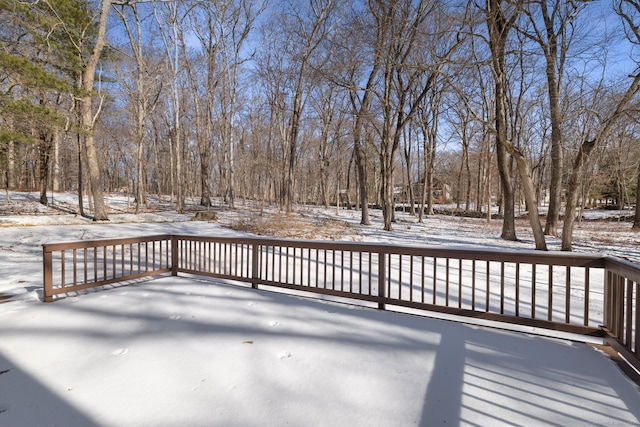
{"type": "Point", "coordinates": [441, 192]}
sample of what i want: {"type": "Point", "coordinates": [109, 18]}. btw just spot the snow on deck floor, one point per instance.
{"type": "Point", "coordinates": [178, 351]}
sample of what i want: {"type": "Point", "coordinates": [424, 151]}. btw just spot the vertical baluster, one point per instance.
{"type": "Point", "coordinates": [517, 289]}
{"type": "Point", "coordinates": [411, 278]}
{"type": "Point", "coordinates": [168, 261]}
{"type": "Point", "coordinates": [502, 287]}
{"type": "Point", "coordinates": [382, 272]}
{"type": "Point", "coordinates": [473, 284]}
{"type": "Point", "coordinates": [399, 276]}
{"type": "Point", "coordinates": [370, 279]}
{"type": "Point", "coordinates": [629, 312]}
{"type": "Point", "coordinates": [104, 262]}
{"type": "Point", "coordinates": [62, 267]}
{"type": "Point", "coordinates": [488, 277]}
{"type": "Point", "coordinates": [309, 266]}
{"type": "Point", "coordinates": [446, 282]}
{"type": "Point", "coordinates": [244, 248]}
{"type": "Point", "coordinates": [286, 266]}
{"type": "Point", "coordinates": [96, 264]}
{"type": "Point", "coordinates": [550, 295]}
{"type": "Point", "coordinates": [637, 323]}
{"type": "Point", "coordinates": [422, 274]}
{"type": "Point", "coordinates": [341, 271]}
{"type": "Point", "coordinates": [324, 274]}
{"type": "Point", "coordinates": [351, 271]}
{"type": "Point", "coordinates": [228, 258]}
{"type": "Point", "coordinates": [435, 278]}
{"type": "Point", "coordinates": [587, 295]}
{"type": "Point", "coordinates": [620, 308]}
{"type": "Point", "coordinates": [460, 283]}
{"type": "Point", "coordinates": [533, 291]}
{"type": "Point", "coordinates": [75, 267]}
{"type": "Point", "coordinates": [567, 295]}
{"type": "Point", "coordinates": [210, 257]}
{"type": "Point", "coordinates": [122, 270]}
{"type": "Point", "coordinates": [388, 273]}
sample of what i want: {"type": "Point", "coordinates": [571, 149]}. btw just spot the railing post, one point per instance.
{"type": "Point", "coordinates": [255, 265]}
{"type": "Point", "coordinates": [608, 300]}
{"type": "Point", "coordinates": [47, 269]}
{"type": "Point", "coordinates": [174, 255]}
{"type": "Point", "coordinates": [382, 275]}
{"type": "Point", "coordinates": [614, 319]}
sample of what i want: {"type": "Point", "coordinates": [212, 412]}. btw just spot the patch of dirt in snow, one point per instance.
{"type": "Point", "coordinates": [290, 226]}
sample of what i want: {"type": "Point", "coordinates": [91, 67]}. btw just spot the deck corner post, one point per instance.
{"type": "Point", "coordinates": [255, 265]}
{"type": "Point", "coordinates": [174, 255]}
{"type": "Point", "coordinates": [47, 270]}
{"type": "Point", "coordinates": [382, 275]}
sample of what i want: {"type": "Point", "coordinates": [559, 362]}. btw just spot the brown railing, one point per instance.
{"type": "Point", "coordinates": [622, 309]}
{"type": "Point", "coordinates": [74, 266]}
{"type": "Point", "coordinates": [570, 292]}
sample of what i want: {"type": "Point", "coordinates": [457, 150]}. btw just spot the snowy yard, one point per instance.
{"type": "Point", "coordinates": [180, 351]}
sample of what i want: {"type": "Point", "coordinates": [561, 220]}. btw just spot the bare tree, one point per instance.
{"type": "Point", "coordinates": [550, 25]}
{"type": "Point", "coordinates": [636, 217]}
{"type": "Point", "coordinates": [88, 112]}
{"type": "Point", "coordinates": [500, 18]}
{"type": "Point", "coordinates": [354, 67]}
{"type": "Point", "coordinates": [168, 17]}
{"type": "Point", "coordinates": [400, 32]}
{"type": "Point", "coordinates": [629, 12]}
{"type": "Point", "coordinates": [144, 94]}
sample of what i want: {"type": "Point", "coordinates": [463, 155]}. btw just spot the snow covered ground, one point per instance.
{"type": "Point", "coordinates": [182, 352]}
{"type": "Point", "coordinates": [179, 351]}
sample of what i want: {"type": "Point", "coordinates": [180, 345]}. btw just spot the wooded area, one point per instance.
{"type": "Point", "coordinates": [520, 104]}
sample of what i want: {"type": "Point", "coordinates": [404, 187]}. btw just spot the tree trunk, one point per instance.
{"type": "Point", "coordinates": [140, 169]}
{"type": "Point", "coordinates": [56, 161]}
{"type": "Point", "coordinates": [499, 28]}
{"type": "Point", "coordinates": [80, 178]}
{"type": "Point", "coordinates": [11, 163]}
{"type": "Point", "coordinates": [508, 199]}
{"type": "Point", "coordinates": [636, 217]}
{"type": "Point", "coordinates": [88, 117]}
{"type": "Point", "coordinates": [530, 198]}
{"type": "Point", "coordinates": [361, 167]}
{"type": "Point", "coordinates": [573, 191]}
{"type": "Point", "coordinates": [557, 154]}
{"type": "Point", "coordinates": [44, 149]}
{"type": "Point", "coordinates": [93, 163]}
{"type": "Point", "coordinates": [324, 181]}
{"type": "Point", "coordinates": [386, 191]}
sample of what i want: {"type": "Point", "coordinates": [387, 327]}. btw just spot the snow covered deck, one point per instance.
{"type": "Point", "coordinates": [181, 351]}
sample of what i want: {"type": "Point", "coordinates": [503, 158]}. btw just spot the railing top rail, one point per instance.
{"type": "Point", "coordinates": [480, 254]}
{"type": "Point", "coordinates": [623, 267]}
{"type": "Point", "coordinates": [58, 246]}
{"type": "Point", "coordinates": [515, 256]}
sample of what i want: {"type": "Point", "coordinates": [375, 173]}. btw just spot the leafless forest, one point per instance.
{"type": "Point", "coordinates": [519, 104]}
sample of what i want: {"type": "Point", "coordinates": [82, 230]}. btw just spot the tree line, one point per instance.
{"type": "Point", "coordinates": [514, 103]}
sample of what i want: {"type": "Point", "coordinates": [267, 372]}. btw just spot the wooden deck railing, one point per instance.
{"type": "Point", "coordinates": [578, 293]}
{"type": "Point", "coordinates": [622, 308]}
{"type": "Point", "coordinates": [74, 266]}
